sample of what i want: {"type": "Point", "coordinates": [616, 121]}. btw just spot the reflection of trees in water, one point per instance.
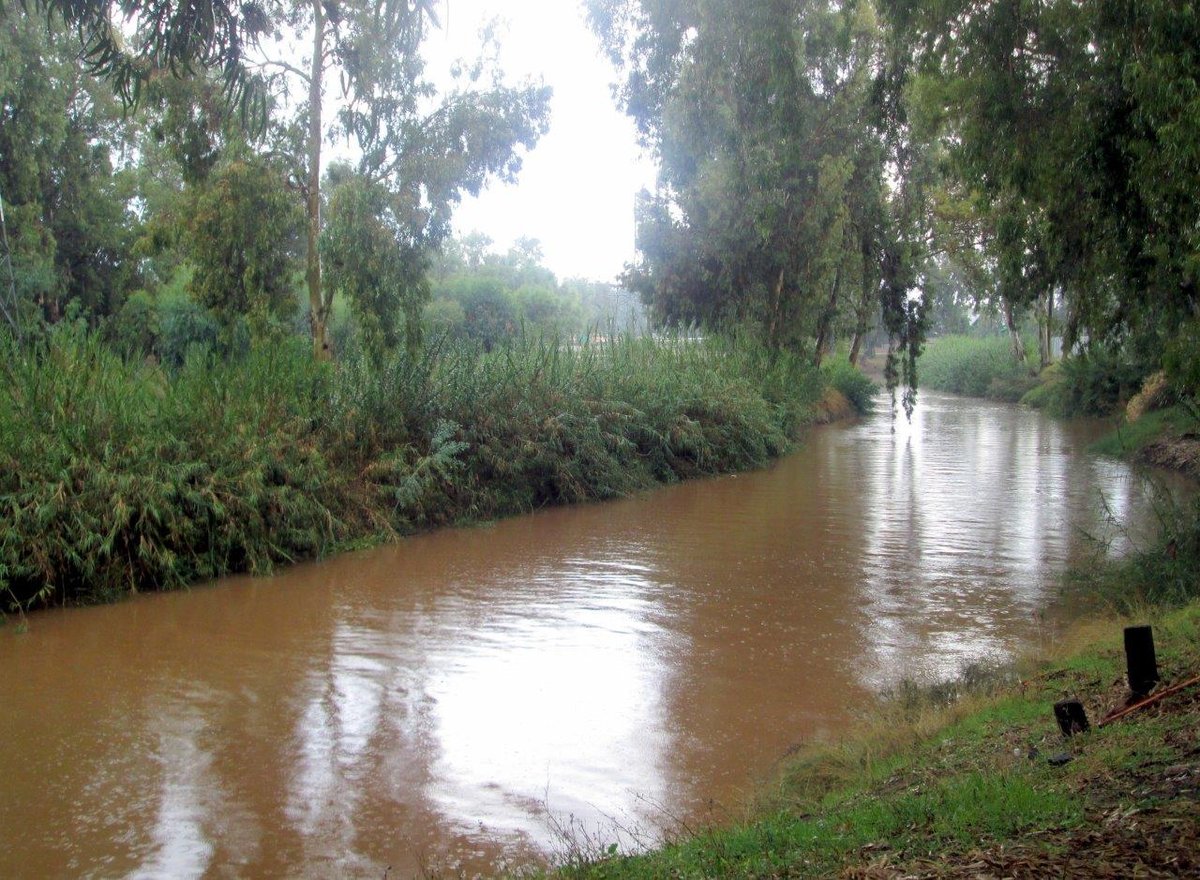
{"type": "Point", "coordinates": [978, 509]}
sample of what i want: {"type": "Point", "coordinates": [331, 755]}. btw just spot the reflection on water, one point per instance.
{"type": "Point", "coordinates": [453, 700]}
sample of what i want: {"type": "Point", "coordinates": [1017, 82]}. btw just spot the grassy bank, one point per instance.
{"type": "Point", "coordinates": [974, 779]}
{"type": "Point", "coordinates": [118, 476]}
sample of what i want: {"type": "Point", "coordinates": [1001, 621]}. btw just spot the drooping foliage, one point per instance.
{"type": "Point", "coordinates": [175, 36]}
{"type": "Point", "coordinates": [1073, 136]}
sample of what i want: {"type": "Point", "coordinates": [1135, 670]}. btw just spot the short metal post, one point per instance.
{"type": "Point", "coordinates": [1140, 660]}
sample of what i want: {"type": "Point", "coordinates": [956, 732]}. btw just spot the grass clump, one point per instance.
{"type": "Point", "coordinates": [1166, 574]}
{"type": "Point", "coordinates": [119, 475]}
{"type": "Point", "coordinates": [1130, 438]}
{"type": "Point", "coordinates": [975, 367]}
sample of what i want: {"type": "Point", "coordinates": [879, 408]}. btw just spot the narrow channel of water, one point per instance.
{"type": "Point", "coordinates": [459, 699]}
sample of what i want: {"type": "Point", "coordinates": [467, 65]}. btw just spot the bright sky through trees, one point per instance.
{"type": "Point", "coordinates": [576, 191]}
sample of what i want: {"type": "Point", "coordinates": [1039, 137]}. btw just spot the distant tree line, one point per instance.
{"type": "Point", "coordinates": [826, 168]}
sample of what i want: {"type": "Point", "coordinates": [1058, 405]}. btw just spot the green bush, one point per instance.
{"type": "Point", "coordinates": [183, 325]}
{"type": "Point", "coordinates": [1182, 360]}
{"type": "Point", "coordinates": [1096, 383]}
{"type": "Point", "coordinates": [133, 331]}
{"type": "Point", "coordinates": [853, 383]}
{"type": "Point", "coordinates": [1092, 383]}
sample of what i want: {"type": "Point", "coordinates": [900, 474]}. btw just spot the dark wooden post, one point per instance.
{"type": "Point", "coordinates": [1140, 660]}
{"type": "Point", "coordinates": [1072, 719]}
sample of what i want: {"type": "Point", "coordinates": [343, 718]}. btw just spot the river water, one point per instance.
{"type": "Point", "coordinates": [474, 698]}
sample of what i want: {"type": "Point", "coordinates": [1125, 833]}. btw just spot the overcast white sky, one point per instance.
{"type": "Point", "coordinates": [576, 191]}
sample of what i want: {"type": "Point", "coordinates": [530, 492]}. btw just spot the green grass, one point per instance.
{"type": "Point", "coordinates": [975, 367]}
{"type": "Point", "coordinates": [117, 475]}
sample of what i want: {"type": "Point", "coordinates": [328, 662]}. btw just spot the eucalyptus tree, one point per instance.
{"type": "Point", "coordinates": [417, 152]}
{"type": "Point", "coordinates": [773, 207]}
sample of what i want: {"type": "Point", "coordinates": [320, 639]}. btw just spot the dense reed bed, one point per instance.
{"type": "Point", "coordinates": [975, 367]}
{"type": "Point", "coordinates": [118, 475]}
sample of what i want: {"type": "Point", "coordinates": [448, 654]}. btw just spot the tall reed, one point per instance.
{"type": "Point", "coordinates": [117, 475]}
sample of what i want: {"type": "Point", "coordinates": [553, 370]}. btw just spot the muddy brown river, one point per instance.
{"type": "Point", "coordinates": [477, 698]}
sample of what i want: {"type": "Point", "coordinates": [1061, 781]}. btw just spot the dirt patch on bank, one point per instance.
{"type": "Point", "coordinates": [1156, 842]}
{"type": "Point", "coordinates": [833, 407]}
{"type": "Point", "coordinates": [1180, 453]}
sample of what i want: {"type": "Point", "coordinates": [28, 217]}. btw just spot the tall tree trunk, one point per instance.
{"type": "Point", "coordinates": [825, 328]}
{"type": "Point", "coordinates": [1046, 330]}
{"type": "Point", "coordinates": [773, 329]}
{"type": "Point", "coordinates": [856, 345]}
{"type": "Point", "coordinates": [316, 301]}
{"type": "Point", "coordinates": [863, 313]}
{"type": "Point", "coordinates": [1018, 345]}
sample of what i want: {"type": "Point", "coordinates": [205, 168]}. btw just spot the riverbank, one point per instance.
{"type": "Point", "coordinates": [119, 476]}
{"type": "Point", "coordinates": [973, 778]}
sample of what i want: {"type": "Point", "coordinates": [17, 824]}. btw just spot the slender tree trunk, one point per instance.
{"type": "Point", "coordinates": [863, 313]}
{"type": "Point", "coordinates": [1046, 334]}
{"type": "Point", "coordinates": [316, 301]}
{"type": "Point", "coordinates": [773, 329]}
{"type": "Point", "coordinates": [1018, 345]}
{"type": "Point", "coordinates": [824, 330]}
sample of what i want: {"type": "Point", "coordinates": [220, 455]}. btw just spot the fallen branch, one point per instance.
{"type": "Point", "coordinates": [1141, 704]}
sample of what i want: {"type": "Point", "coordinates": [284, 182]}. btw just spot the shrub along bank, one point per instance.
{"type": "Point", "coordinates": [1091, 383]}
{"type": "Point", "coordinates": [118, 476]}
